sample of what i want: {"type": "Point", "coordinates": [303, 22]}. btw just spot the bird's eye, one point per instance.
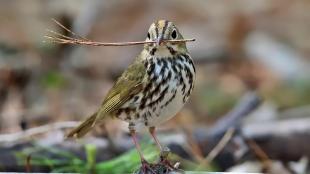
{"type": "Point", "coordinates": [148, 36]}
{"type": "Point", "coordinates": [174, 34]}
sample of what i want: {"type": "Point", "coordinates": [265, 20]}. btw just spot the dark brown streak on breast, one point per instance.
{"type": "Point", "coordinates": [153, 50]}
{"type": "Point", "coordinates": [151, 66]}
{"type": "Point", "coordinates": [170, 100]}
{"type": "Point", "coordinates": [163, 68]}
{"type": "Point", "coordinates": [190, 61]}
{"type": "Point", "coordinates": [118, 112]}
{"type": "Point", "coordinates": [175, 70]}
{"type": "Point", "coordinates": [160, 98]}
{"type": "Point", "coordinates": [143, 102]}
{"type": "Point", "coordinates": [162, 82]}
{"type": "Point", "coordinates": [190, 76]}
{"type": "Point", "coordinates": [145, 119]}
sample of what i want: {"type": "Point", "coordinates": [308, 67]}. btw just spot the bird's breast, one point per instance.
{"type": "Point", "coordinates": [168, 84]}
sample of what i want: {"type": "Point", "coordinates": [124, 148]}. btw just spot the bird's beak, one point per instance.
{"type": "Point", "coordinates": [159, 40]}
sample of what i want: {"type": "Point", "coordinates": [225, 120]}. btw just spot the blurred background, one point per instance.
{"type": "Point", "coordinates": [253, 74]}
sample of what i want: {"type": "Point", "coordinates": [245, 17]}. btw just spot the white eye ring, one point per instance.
{"type": "Point", "coordinates": [174, 34]}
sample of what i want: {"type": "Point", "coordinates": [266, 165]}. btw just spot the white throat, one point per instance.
{"type": "Point", "coordinates": [162, 51]}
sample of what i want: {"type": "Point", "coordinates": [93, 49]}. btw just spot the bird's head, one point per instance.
{"type": "Point", "coordinates": [160, 31]}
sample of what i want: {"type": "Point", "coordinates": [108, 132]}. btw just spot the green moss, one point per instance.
{"type": "Point", "coordinates": [216, 101]}
{"type": "Point", "coordinates": [53, 79]}
{"type": "Point", "coordinates": [289, 95]}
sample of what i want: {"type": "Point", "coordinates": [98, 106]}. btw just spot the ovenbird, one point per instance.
{"type": "Point", "coordinates": [152, 89]}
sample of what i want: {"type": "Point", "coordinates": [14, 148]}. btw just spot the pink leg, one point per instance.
{"type": "Point", "coordinates": [152, 132]}
{"type": "Point", "coordinates": [164, 152]}
{"type": "Point", "coordinates": [135, 141]}
{"type": "Point", "coordinates": [145, 164]}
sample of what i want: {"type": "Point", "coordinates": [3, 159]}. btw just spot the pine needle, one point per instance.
{"type": "Point", "coordinates": [76, 39]}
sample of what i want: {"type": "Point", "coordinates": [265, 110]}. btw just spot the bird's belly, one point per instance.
{"type": "Point", "coordinates": [167, 112]}
{"type": "Point", "coordinates": [164, 111]}
{"type": "Point", "coordinates": [161, 112]}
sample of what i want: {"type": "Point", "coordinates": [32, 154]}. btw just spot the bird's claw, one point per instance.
{"type": "Point", "coordinates": [163, 159]}
{"type": "Point", "coordinates": [146, 168]}
{"type": "Point", "coordinates": [163, 166]}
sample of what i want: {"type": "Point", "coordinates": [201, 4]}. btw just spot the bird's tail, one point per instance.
{"type": "Point", "coordinates": [83, 128]}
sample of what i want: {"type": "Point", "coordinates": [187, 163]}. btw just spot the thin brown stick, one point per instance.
{"type": "Point", "coordinates": [195, 150]}
{"type": "Point", "coordinates": [68, 30]}
{"type": "Point", "coordinates": [93, 43]}
{"type": "Point", "coordinates": [218, 148]}
{"type": "Point", "coordinates": [56, 37]}
{"type": "Point", "coordinates": [59, 34]}
{"type": "Point", "coordinates": [28, 163]}
{"type": "Point", "coordinates": [260, 153]}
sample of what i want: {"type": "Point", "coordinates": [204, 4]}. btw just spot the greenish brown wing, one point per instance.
{"type": "Point", "coordinates": [116, 101]}
{"type": "Point", "coordinates": [111, 104]}
{"type": "Point", "coordinates": [129, 84]}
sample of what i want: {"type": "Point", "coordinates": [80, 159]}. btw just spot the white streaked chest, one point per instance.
{"type": "Point", "coordinates": [169, 83]}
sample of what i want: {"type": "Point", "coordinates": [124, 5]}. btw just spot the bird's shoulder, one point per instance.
{"type": "Point", "coordinates": [129, 83]}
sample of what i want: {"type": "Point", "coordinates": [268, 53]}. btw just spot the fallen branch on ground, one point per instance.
{"type": "Point", "coordinates": [24, 135]}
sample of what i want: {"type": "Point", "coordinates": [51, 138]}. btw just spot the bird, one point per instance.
{"type": "Point", "coordinates": [152, 90]}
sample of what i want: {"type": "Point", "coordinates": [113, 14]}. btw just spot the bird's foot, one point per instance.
{"type": "Point", "coordinates": [146, 168]}
{"type": "Point", "coordinates": [163, 166]}
{"type": "Point", "coordinates": [163, 160]}
{"type": "Point", "coordinates": [158, 168]}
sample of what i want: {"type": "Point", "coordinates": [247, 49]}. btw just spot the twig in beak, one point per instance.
{"type": "Point", "coordinates": [56, 37]}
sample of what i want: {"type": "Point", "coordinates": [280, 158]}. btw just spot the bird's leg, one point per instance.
{"type": "Point", "coordinates": [135, 141]}
{"type": "Point", "coordinates": [163, 152]}
{"type": "Point", "coordinates": [152, 132]}
{"type": "Point", "coordinates": [145, 165]}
